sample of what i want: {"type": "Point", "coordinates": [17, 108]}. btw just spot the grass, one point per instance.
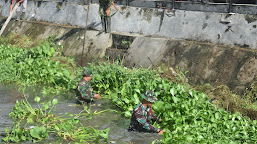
{"type": "Point", "coordinates": [245, 104]}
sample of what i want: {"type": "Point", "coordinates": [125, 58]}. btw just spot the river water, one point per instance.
{"type": "Point", "coordinates": [118, 124]}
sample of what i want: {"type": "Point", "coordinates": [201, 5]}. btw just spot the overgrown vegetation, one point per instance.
{"type": "Point", "coordinates": [187, 115]}
{"type": "Point", "coordinates": [43, 64]}
{"type": "Point", "coordinates": [35, 124]}
{"type": "Point", "coordinates": [40, 64]}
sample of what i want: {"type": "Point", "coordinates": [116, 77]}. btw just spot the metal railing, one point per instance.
{"type": "Point", "coordinates": [225, 6]}
{"type": "Point", "coordinates": [231, 6]}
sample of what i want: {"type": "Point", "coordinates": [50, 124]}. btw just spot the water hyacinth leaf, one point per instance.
{"type": "Point", "coordinates": [104, 133]}
{"type": "Point", "coordinates": [126, 100]}
{"type": "Point", "coordinates": [159, 104]}
{"type": "Point", "coordinates": [30, 120]}
{"type": "Point", "coordinates": [137, 90]}
{"type": "Point", "coordinates": [18, 132]}
{"type": "Point", "coordinates": [35, 132]}
{"type": "Point", "coordinates": [130, 108]}
{"type": "Point", "coordinates": [136, 99]}
{"type": "Point", "coordinates": [173, 91]}
{"type": "Point", "coordinates": [45, 106]}
{"type": "Point", "coordinates": [217, 115]}
{"type": "Point", "coordinates": [23, 138]}
{"type": "Point", "coordinates": [200, 137]}
{"type": "Point", "coordinates": [55, 102]}
{"type": "Point", "coordinates": [189, 138]}
{"type": "Point", "coordinates": [7, 131]}
{"type": "Point", "coordinates": [128, 114]}
{"type": "Point", "coordinates": [37, 99]}
{"type": "Point", "coordinates": [175, 99]}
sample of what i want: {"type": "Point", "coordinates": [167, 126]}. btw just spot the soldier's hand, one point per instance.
{"type": "Point", "coordinates": [97, 96]}
{"type": "Point", "coordinates": [160, 131]}
{"type": "Point", "coordinates": [160, 120]}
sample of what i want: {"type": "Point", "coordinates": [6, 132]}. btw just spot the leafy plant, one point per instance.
{"type": "Point", "coordinates": [36, 65]}
{"type": "Point", "coordinates": [44, 121]}
{"type": "Point", "coordinates": [187, 116]}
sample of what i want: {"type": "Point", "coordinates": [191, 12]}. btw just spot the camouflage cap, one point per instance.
{"type": "Point", "coordinates": [87, 72]}
{"type": "Point", "coordinates": [149, 96]}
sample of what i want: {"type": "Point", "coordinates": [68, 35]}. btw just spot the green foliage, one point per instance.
{"type": "Point", "coordinates": [123, 86]}
{"type": "Point", "coordinates": [43, 120]}
{"type": "Point", "coordinates": [35, 65]}
{"type": "Point", "coordinates": [187, 116]}
{"type": "Point", "coordinates": [127, 43]}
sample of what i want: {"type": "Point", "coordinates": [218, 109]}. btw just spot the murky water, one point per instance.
{"type": "Point", "coordinates": [118, 124]}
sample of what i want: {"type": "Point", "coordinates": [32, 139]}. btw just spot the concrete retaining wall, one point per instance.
{"type": "Point", "coordinates": [222, 28]}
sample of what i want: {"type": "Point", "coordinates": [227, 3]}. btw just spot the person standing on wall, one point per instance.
{"type": "Point", "coordinates": [21, 9]}
{"type": "Point", "coordinates": [105, 11]}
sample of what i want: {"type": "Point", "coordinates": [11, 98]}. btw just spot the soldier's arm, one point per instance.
{"type": "Point", "coordinates": [142, 121]}
{"type": "Point", "coordinates": [11, 6]}
{"type": "Point", "coordinates": [114, 5]}
{"type": "Point", "coordinates": [86, 92]}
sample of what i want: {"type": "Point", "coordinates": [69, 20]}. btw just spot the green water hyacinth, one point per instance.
{"type": "Point", "coordinates": [41, 64]}
{"type": "Point", "coordinates": [187, 116]}
{"type": "Point", "coordinates": [35, 124]}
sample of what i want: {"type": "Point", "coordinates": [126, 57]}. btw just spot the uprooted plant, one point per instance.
{"type": "Point", "coordinates": [35, 124]}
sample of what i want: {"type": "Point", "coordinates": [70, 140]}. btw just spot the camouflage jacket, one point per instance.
{"type": "Point", "coordinates": [84, 91]}
{"type": "Point", "coordinates": [141, 118]}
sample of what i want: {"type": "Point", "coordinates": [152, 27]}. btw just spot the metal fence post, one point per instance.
{"type": "Point", "coordinates": [230, 6]}
{"type": "Point", "coordinates": [127, 2]}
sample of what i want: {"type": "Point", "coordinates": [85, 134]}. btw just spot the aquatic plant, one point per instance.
{"type": "Point", "coordinates": [123, 86]}
{"type": "Point", "coordinates": [187, 115]}
{"type": "Point", "coordinates": [35, 124]}
{"type": "Point", "coordinates": [36, 65]}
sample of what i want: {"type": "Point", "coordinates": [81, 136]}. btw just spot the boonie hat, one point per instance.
{"type": "Point", "coordinates": [87, 72]}
{"type": "Point", "coordinates": [149, 96]}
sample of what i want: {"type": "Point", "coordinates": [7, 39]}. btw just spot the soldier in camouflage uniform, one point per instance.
{"type": "Point", "coordinates": [84, 90]}
{"type": "Point", "coordinates": [143, 114]}
{"type": "Point", "coordinates": [105, 11]}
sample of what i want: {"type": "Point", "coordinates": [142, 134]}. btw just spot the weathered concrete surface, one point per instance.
{"type": "Point", "coordinates": [206, 63]}
{"type": "Point", "coordinates": [70, 37]}
{"type": "Point", "coordinates": [95, 45]}
{"type": "Point", "coordinates": [145, 52]}
{"type": "Point", "coordinates": [59, 12]}
{"type": "Point", "coordinates": [221, 28]}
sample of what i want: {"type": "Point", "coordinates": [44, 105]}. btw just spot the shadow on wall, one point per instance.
{"type": "Point", "coordinates": [2, 23]}
{"type": "Point", "coordinates": [69, 33]}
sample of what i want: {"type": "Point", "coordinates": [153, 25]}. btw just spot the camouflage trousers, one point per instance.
{"type": "Point", "coordinates": [84, 101]}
